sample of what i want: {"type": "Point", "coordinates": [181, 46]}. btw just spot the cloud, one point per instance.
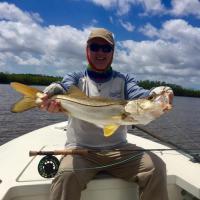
{"type": "Point", "coordinates": [185, 7]}
{"type": "Point", "coordinates": [150, 6]}
{"type": "Point", "coordinates": [127, 25]}
{"type": "Point", "coordinates": [26, 46]}
{"type": "Point", "coordinates": [105, 3]}
{"type": "Point", "coordinates": [123, 7]}
{"type": "Point", "coordinates": [171, 54]}
{"type": "Point", "coordinates": [158, 60]}
{"type": "Point", "coordinates": [149, 31]}
{"type": "Point", "coordinates": [10, 12]}
{"type": "Point", "coordinates": [178, 7]}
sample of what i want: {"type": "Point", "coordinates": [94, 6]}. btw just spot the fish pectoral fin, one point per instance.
{"type": "Point", "coordinates": [110, 129]}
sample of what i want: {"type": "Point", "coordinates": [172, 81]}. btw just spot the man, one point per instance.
{"type": "Point", "coordinates": [99, 79]}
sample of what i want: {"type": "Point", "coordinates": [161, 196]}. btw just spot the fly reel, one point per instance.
{"type": "Point", "coordinates": [48, 166]}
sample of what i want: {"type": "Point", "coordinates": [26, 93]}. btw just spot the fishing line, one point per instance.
{"type": "Point", "coordinates": [195, 157]}
{"type": "Point", "coordinates": [177, 128]}
{"type": "Point", "coordinates": [185, 137]}
{"type": "Point", "coordinates": [102, 166]}
{"type": "Point", "coordinates": [48, 166]}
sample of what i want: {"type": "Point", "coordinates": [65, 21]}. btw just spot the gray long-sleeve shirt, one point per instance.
{"type": "Point", "coordinates": [118, 86]}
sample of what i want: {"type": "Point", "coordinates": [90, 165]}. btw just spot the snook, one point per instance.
{"type": "Point", "coordinates": [105, 113]}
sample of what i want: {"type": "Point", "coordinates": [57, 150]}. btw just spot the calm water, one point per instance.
{"type": "Point", "coordinates": [181, 125]}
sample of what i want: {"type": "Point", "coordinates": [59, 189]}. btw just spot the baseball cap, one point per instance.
{"type": "Point", "coordinates": [102, 33]}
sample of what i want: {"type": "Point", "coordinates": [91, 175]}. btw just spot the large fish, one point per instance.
{"type": "Point", "coordinates": [108, 114]}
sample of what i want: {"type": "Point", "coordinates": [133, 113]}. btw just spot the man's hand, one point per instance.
{"type": "Point", "coordinates": [166, 91]}
{"type": "Point", "coordinates": [50, 105]}
{"type": "Point", "coordinates": [171, 97]}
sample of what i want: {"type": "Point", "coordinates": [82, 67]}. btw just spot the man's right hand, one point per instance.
{"type": "Point", "coordinates": [50, 105]}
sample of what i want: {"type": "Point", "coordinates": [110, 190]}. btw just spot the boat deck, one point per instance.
{"type": "Point", "coordinates": [20, 177]}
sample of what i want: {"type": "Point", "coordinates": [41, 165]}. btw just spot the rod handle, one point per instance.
{"type": "Point", "coordinates": [60, 152]}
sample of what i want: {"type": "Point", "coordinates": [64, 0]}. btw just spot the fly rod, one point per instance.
{"type": "Point", "coordinates": [84, 152]}
{"type": "Point", "coordinates": [60, 152]}
{"type": "Point", "coordinates": [49, 164]}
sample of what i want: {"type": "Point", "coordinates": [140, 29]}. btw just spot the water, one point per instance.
{"type": "Point", "coordinates": [180, 126]}
{"type": "Point", "coordinates": [16, 124]}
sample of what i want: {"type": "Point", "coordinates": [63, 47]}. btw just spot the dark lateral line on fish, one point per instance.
{"type": "Point", "coordinates": [86, 151]}
{"type": "Point", "coordinates": [111, 104]}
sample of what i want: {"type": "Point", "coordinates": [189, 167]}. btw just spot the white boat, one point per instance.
{"type": "Point", "coordinates": [20, 180]}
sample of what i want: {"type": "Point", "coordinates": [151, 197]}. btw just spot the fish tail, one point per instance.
{"type": "Point", "coordinates": [28, 101]}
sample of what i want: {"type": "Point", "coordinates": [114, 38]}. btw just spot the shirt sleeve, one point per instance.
{"type": "Point", "coordinates": [132, 89]}
{"type": "Point", "coordinates": [71, 79]}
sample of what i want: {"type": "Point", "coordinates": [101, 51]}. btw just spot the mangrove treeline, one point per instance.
{"type": "Point", "coordinates": [29, 79]}
{"type": "Point", "coordinates": [178, 90]}
{"type": "Point", "coordinates": [37, 79]}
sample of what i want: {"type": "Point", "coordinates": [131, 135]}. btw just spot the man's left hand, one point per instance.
{"type": "Point", "coordinates": [165, 90]}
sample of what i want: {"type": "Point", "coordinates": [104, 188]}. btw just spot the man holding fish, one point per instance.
{"type": "Point", "coordinates": [100, 80]}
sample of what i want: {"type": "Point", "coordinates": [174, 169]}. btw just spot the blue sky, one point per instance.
{"type": "Point", "coordinates": [156, 40]}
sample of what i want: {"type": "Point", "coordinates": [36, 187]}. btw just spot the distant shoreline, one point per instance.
{"type": "Point", "coordinates": [37, 79]}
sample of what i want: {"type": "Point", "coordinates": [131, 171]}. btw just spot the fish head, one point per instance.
{"type": "Point", "coordinates": [144, 111]}
{"type": "Point", "coordinates": [138, 106]}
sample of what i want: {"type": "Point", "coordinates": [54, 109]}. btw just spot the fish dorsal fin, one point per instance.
{"type": "Point", "coordinates": [74, 91]}
{"type": "Point", "coordinates": [24, 89]}
{"type": "Point", "coordinates": [110, 129]}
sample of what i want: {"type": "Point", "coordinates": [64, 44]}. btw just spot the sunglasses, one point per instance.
{"type": "Point", "coordinates": [106, 48]}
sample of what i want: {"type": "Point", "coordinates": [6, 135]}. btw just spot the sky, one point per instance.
{"type": "Point", "coordinates": [155, 39]}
